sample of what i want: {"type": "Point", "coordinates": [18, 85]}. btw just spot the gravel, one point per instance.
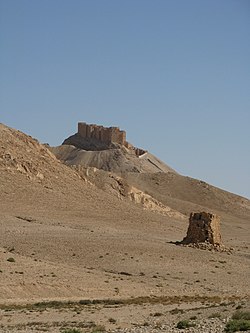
{"type": "Point", "coordinates": [202, 326]}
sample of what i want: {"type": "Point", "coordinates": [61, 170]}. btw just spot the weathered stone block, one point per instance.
{"type": "Point", "coordinates": [203, 227]}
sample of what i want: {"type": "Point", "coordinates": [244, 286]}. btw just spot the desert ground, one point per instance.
{"type": "Point", "coordinates": [90, 250]}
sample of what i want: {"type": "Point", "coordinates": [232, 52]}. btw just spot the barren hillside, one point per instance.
{"type": "Point", "coordinates": [72, 238]}
{"type": "Point", "coordinates": [116, 160]}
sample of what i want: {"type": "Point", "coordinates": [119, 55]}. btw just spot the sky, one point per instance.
{"type": "Point", "coordinates": [174, 74]}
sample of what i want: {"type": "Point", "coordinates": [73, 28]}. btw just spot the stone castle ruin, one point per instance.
{"type": "Point", "coordinates": [96, 137]}
{"type": "Point", "coordinates": [103, 134]}
{"type": "Point", "coordinates": [203, 228]}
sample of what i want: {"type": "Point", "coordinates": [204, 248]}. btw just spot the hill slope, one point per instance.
{"type": "Point", "coordinates": [146, 174]}
{"type": "Point", "coordinates": [71, 239]}
{"type": "Point", "coordinates": [119, 159]}
{"type": "Point", "coordinates": [183, 192]}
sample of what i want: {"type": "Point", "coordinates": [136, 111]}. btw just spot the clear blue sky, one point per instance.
{"type": "Point", "coordinates": [174, 74]}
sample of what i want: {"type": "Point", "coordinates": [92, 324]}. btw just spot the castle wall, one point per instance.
{"type": "Point", "coordinates": [103, 134]}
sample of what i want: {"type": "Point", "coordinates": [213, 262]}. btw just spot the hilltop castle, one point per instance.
{"type": "Point", "coordinates": [103, 134]}
{"type": "Point", "coordinates": [96, 137]}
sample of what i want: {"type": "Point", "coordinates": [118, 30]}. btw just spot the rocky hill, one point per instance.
{"type": "Point", "coordinates": [71, 233]}
{"type": "Point", "coordinates": [139, 176]}
{"type": "Point", "coordinates": [119, 159]}
{"type": "Point", "coordinates": [106, 149]}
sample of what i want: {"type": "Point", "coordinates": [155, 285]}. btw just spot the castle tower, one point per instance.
{"type": "Point", "coordinates": [203, 227]}
{"type": "Point", "coordinates": [82, 129]}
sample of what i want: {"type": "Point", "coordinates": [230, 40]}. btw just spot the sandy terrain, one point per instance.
{"type": "Point", "coordinates": [71, 239]}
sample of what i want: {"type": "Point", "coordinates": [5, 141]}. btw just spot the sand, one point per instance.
{"type": "Point", "coordinates": [72, 240]}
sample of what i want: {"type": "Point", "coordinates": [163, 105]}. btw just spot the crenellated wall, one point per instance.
{"type": "Point", "coordinates": [101, 133]}
{"type": "Point", "coordinates": [106, 135]}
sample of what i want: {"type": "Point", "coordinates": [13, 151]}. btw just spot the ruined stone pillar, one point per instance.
{"type": "Point", "coordinates": [203, 227]}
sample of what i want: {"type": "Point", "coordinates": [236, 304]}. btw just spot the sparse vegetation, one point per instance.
{"type": "Point", "coordinates": [237, 325]}
{"type": "Point", "coordinates": [176, 311]}
{"type": "Point", "coordinates": [193, 318]}
{"type": "Point", "coordinates": [240, 322]}
{"type": "Point", "coordinates": [215, 315]}
{"type": "Point", "coordinates": [183, 324]}
{"type": "Point", "coordinates": [238, 315]}
{"type": "Point", "coordinates": [53, 304]}
{"type": "Point", "coordinates": [98, 329]}
{"type": "Point", "coordinates": [71, 330]}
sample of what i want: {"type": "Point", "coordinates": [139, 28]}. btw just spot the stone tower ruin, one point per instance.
{"type": "Point", "coordinates": [203, 227]}
{"type": "Point", "coordinates": [97, 137]}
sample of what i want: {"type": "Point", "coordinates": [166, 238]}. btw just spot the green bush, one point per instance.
{"type": "Point", "coordinates": [183, 324]}
{"type": "Point", "coordinates": [237, 325]}
{"type": "Point", "coordinates": [240, 322]}
{"type": "Point", "coordinates": [241, 315]}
